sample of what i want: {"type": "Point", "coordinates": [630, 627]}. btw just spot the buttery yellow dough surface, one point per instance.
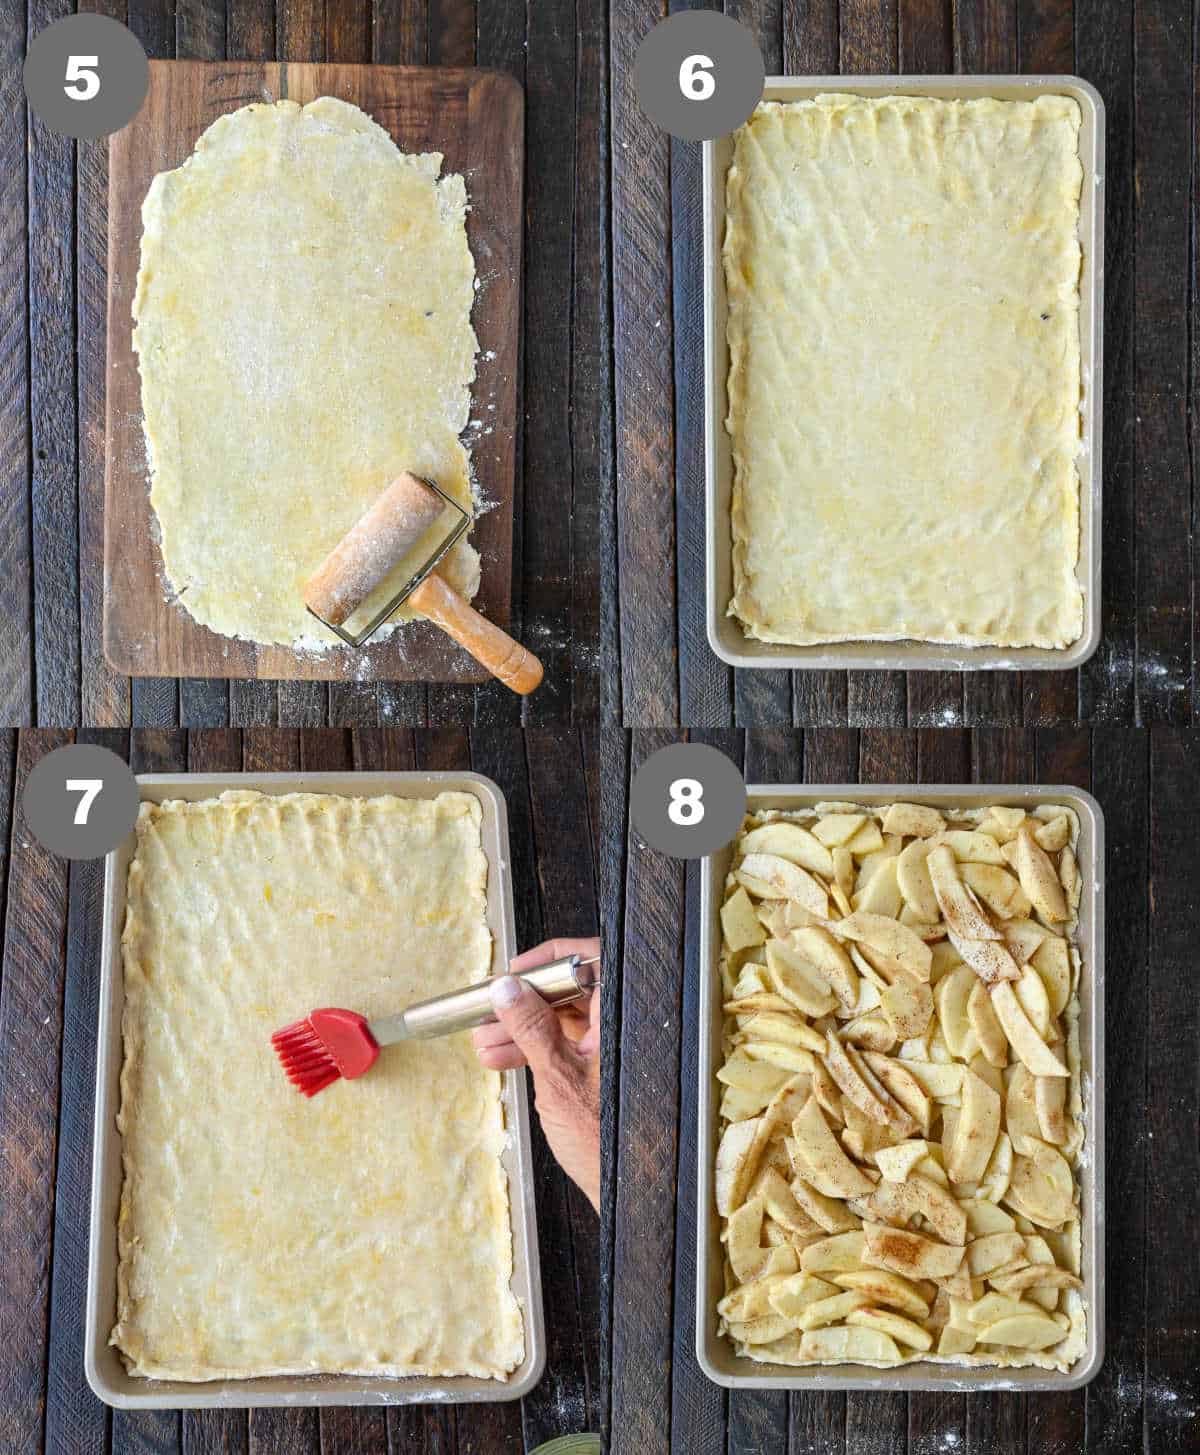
{"type": "Point", "coordinates": [904, 383]}
{"type": "Point", "coordinates": [365, 1230]}
{"type": "Point", "coordinates": [303, 331]}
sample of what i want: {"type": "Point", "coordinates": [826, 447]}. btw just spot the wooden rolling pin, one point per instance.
{"type": "Point", "coordinates": [372, 547]}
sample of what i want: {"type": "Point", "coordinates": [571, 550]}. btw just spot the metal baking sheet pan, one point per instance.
{"type": "Point", "coordinates": [725, 634]}
{"type": "Point", "coordinates": [106, 1372]}
{"type": "Point", "coordinates": [715, 1354]}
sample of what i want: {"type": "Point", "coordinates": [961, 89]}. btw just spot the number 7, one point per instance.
{"type": "Point", "coordinates": [89, 787]}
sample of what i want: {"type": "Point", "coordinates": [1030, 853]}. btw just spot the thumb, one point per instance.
{"type": "Point", "coordinates": [529, 1021]}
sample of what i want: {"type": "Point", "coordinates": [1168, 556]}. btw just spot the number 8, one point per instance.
{"type": "Point", "coordinates": [686, 808]}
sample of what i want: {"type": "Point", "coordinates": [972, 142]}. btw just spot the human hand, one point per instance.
{"type": "Point", "coordinates": [562, 1049]}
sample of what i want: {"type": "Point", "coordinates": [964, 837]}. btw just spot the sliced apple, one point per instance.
{"type": "Point", "coordinates": [908, 1006]}
{"type": "Point", "coordinates": [760, 1331]}
{"type": "Point", "coordinates": [1023, 937]}
{"type": "Point", "coordinates": [988, 1031]}
{"type": "Point", "coordinates": [984, 1218]}
{"type": "Point", "coordinates": [882, 893]}
{"type": "Point", "coordinates": [829, 1213]}
{"type": "Point", "coordinates": [1025, 1331]}
{"type": "Point", "coordinates": [744, 1006]}
{"type": "Point", "coordinates": [1068, 877]}
{"type": "Point", "coordinates": [743, 1239]}
{"type": "Point", "coordinates": [1054, 833]}
{"type": "Point", "coordinates": [840, 1253]}
{"type": "Point", "coordinates": [1002, 823]}
{"type": "Point", "coordinates": [778, 1026]}
{"type": "Point", "coordinates": [1038, 876]}
{"type": "Point", "coordinates": [996, 889]}
{"type": "Point", "coordinates": [992, 1251]}
{"type": "Point", "coordinates": [825, 1165]}
{"type": "Point", "coordinates": [895, 1326]}
{"type": "Point", "coordinates": [739, 923]}
{"type": "Point", "coordinates": [844, 1343]}
{"type": "Point", "coordinates": [797, 982]}
{"type": "Point", "coordinates": [1031, 993]}
{"type": "Point", "coordinates": [1041, 1187]}
{"type": "Point", "coordinates": [746, 1074]}
{"type": "Point", "coordinates": [914, 883]}
{"type": "Point", "coordinates": [734, 1167]}
{"type": "Point", "coordinates": [963, 913]}
{"type": "Point", "coordinates": [995, 1306]}
{"type": "Point", "coordinates": [818, 948]}
{"type": "Point", "coordinates": [912, 820]}
{"type": "Point", "coordinates": [975, 1132]}
{"type": "Point", "coordinates": [851, 1082]}
{"type": "Point", "coordinates": [901, 949]}
{"type": "Point", "coordinates": [899, 1202]}
{"type": "Point", "coordinates": [872, 1032]}
{"type": "Point", "coordinates": [939, 1079]}
{"type": "Point", "coordinates": [880, 1286]}
{"type": "Point", "coordinates": [909, 1254]}
{"type": "Point", "coordinates": [1050, 1096]}
{"type": "Point", "coordinates": [838, 828]}
{"type": "Point", "coordinates": [772, 877]}
{"type": "Point", "coordinates": [897, 1162]}
{"type": "Point", "coordinates": [788, 1058]}
{"type": "Point", "coordinates": [971, 846]}
{"type": "Point", "coordinates": [1022, 1035]}
{"type": "Point", "coordinates": [989, 959]}
{"type": "Point", "coordinates": [790, 841]}
{"type": "Point", "coordinates": [1052, 961]}
{"type": "Point", "coordinates": [952, 996]}
{"type": "Point", "coordinates": [791, 1296]}
{"type": "Point", "coordinates": [833, 1310]}
{"type": "Point", "coordinates": [903, 1086]}
{"type": "Point", "coordinates": [954, 1340]}
{"type": "Point", "coordinates": [779, 1202]}
{"type": "Point", "coordinates": [1036, 1276]}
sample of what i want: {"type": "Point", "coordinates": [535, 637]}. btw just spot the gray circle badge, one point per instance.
{"type": "Point", "coordinates": [698, 74]}
{"type": "Point", "coordinates": [80, 801]}
{"type": "Point", "coordinates": [687, 800]}
{"type": "Point", "coordinates": [86, 75]}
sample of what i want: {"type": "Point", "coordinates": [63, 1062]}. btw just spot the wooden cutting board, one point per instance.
{"type": "Point", "coordinates": [476, 119]}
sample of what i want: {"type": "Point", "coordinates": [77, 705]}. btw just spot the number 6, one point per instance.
{"type": "Point", "coordinates": [89, 787]}
{"type": "Point", "coordinates": [695, 78]}
{"type": "Point", "coordinates": [87, 83]}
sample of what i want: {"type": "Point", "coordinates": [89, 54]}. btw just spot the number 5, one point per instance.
{"type": "Point", "coordinates": [695, 78]}
{"type": "Point", "coordinates": [87, 85]}
{"type": "Point", "coordinates": [89, 787]}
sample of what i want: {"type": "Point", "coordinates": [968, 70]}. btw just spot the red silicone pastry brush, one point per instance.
{"type": "Point", "coordinates": [332, 1043]}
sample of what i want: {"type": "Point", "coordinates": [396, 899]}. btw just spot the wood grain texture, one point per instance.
{"type": "Point", "coordinates": [475, 119]}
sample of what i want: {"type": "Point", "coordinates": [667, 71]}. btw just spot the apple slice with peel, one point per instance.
{"type": "Point", "coordinates": [880, 1286]}
{"type": "Point", "coordinates": [963, 913]}
{"type": "Point", "coordinates": [1024, 1331]}
{"type": "Point", "coordinates": [909, 1254]}
{"type": "Point", "coordinates": [1022, 1034]}
{"type": "Point", "coordinates": [844, 1343]}
{"type": "Point", "coordinates": [826, 1166]}
{"type": "Point", "coordinates": [1038, 876]}
{"type": "Point", "coordinates": [895, 1326]}
{"type": "Point", "coordinates": [772, 877]}
{"type": "Point", "coordinates": [790, 841]}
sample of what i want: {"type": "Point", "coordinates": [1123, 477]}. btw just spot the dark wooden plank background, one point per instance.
{"type": "Point", "coordinates": [1140, 57]}
{"type": "Point", "coordinates": [53, 205]}
{"type": "Point", "coordinates": [1147, 1394]}
{"type": "Point", "coordinates": [49, 987]}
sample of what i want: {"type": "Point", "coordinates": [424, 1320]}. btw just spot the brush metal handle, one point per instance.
{"type": "Point", "coordinates": [558, 983]}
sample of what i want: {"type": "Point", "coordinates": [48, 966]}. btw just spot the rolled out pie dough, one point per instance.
{"type": "Point", "coordinates": [303, 331]}
{"type": "Point", "coordinates": [366, 1230]}
{"type": "Point", "coordinates": [904, 380]}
